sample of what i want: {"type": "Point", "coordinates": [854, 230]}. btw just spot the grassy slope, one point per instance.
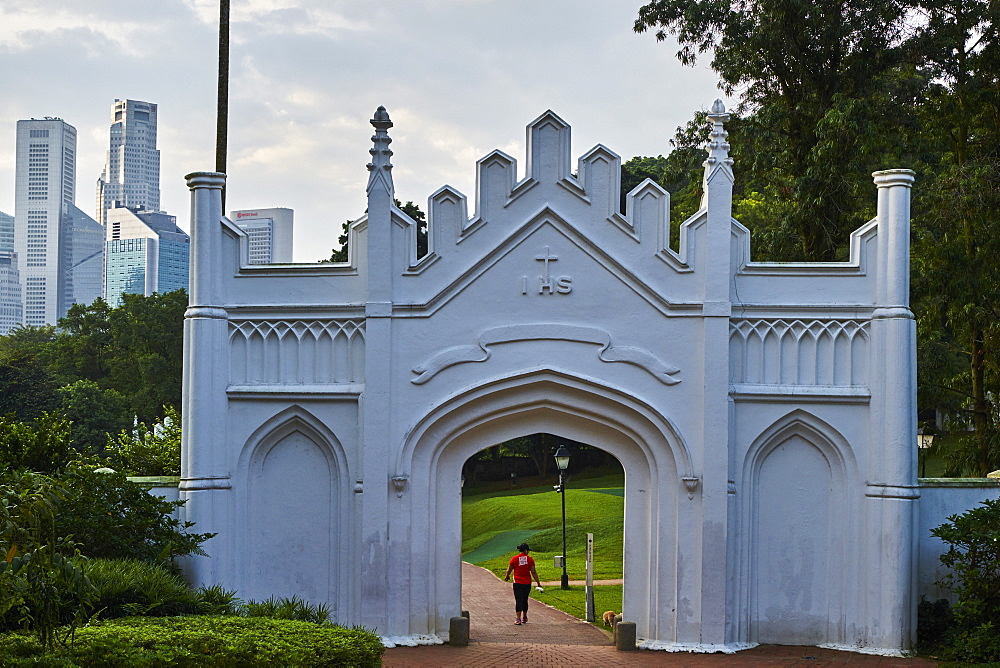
{"type": "Point", "coordinates": [487, 516]}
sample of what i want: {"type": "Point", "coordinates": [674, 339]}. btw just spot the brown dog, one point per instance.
{"type": "Point", "coordinates": [609, 618]}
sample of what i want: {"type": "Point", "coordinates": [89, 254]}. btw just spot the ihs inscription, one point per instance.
{"type": "Point", "coordinates": [548, 284]}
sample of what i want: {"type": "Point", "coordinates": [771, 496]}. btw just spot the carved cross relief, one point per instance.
{"type": "Point", "coordinates": [548, 284]}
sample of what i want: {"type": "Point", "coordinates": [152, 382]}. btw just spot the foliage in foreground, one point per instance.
{"type": "Point", "coordinates": [128, 588]}
{"type": "Point", "coordinates": [42, 587]}
{"type": "Point", "coordinates": [200, 641]}
{"type": "Point", "coordinates": [113, 518]}
{"type": "Point", "coordinates": [149, 450]}
{"type": "Point", "coordinates": [974, 559]}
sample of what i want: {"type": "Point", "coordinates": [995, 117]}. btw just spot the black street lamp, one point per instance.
{"type": "Point", "coordinates": [925, 441]}
{"type": "Point", "coordinates": [562, 462]}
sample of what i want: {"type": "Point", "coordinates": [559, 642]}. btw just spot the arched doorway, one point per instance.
{"type": "Point", "coordinates": [651, 452]}
{"type": "Point", "coordinates": [510, 495]}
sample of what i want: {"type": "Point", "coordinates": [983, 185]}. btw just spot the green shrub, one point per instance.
{"type": "Point", "coordinates": [149, 450]}
{"type": "Point", "coordinates": [43, 445]}
{"type": "Point", "coordinates": [113, 518]}
{"type": "Point", "coordinates": [215, 600]}
{"type": "Point", "coordinates": [973, 557]}
{"type": "Point", "coordinates": [287, 608]}
{"type": "Point", "coordinates": [42, 588]}
{"type": "Point", "coordinates": [201, 641]}
{"type": "Point", "coordinates": [127, 588]}
{"type": "Point", "coordinates": [934, 622]}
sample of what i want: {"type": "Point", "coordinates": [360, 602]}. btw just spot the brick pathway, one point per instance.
{"type": "Point", "coordinates": [553, 638]}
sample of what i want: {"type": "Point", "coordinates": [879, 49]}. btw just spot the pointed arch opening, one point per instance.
{"type": "Point", "coordinates": [655, 459]}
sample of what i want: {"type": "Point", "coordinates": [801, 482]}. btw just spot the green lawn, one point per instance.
{"type": "Point", "coordinates": [493, 523]}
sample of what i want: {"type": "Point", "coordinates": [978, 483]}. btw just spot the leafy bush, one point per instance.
{"type": "Point", "coordinates": [934, 621]}
{"type": "Point", "coordinates": [43, 445]}
{"type": "Point", "coordinates": [201, 641]}
{"type": "Point", "coordinates": [113, 518]}
{"type": "Point", "coordinates": [94, 413]}
{"type": "Point", "coordinates": [150, 450]}
{"type": "Point", "coordinates": [216, 600]}
{"type": "Point", "coordinates": [974, 560]}
{"type": "Point", "coordinates": [42, 588]}
{"type": "Point", "coordinates": [127, 588]}
{"type": "Point", "coordinates": [287, 608]}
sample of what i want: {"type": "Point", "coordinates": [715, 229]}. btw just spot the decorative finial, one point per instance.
{"type": "Point", "coordinates": [718, 147]}
{"type": "Point", "coordinates": [718, 150]}
{"type": "Point", "coordinates": [380, 166]}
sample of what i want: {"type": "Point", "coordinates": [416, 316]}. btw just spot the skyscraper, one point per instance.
{"type": "Point", "coordinates": [131, 176]}
{"type": "Point", "coordinates": [6, 232]}
{"type": "Point", "coordinates": [57, 256]}
{"type": "Point", "coordinates": [11, 310]}
{"type": "Point", "coordinates": [270, 232]}
{"type": "Point", "coordinates": [146, 253]}
{"type": "Point", "coordinates": [10, 282]}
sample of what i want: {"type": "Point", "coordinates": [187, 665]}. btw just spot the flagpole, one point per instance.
{"type": "Point", "coordinates": [222, 111]}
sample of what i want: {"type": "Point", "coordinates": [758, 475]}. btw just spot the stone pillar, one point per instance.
{"type": "Point", "coordinates": [205, 482]}
{"type": "Point", "coordinates": [710, 462]}
{"type": "Point", "coordinates": [379, 495]}
{"type": "Point", "coordinates": [892, 491]}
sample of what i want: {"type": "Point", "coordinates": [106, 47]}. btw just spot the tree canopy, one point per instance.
{"type": "Point", "coordinates": [831, 91]}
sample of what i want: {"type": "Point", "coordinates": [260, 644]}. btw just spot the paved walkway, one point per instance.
{"type": "Point", "coordinates": [553, 638]}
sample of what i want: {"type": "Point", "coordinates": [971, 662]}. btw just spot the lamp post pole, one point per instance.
{"type": "Point", "coordinates": [562, 461]}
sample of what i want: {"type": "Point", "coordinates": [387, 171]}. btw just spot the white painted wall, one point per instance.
{"type": "Point", "coordinates": [941, 498]}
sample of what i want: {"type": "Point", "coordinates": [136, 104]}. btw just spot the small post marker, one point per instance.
{"type": "Point", "coordinates": [625, 636]}
{"type": "Point", "coordinates": [458, 631]}
{"type": "Point", "coordinates": [590, 578]}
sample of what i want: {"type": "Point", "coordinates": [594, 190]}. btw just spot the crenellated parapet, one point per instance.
{"type": "Point", "coordinates": [592, 195]}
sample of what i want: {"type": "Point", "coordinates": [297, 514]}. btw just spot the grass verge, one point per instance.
{"type": "Point", "coordinates": [593, 505]}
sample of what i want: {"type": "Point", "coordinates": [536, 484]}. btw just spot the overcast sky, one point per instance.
{"type": "Point", "coordinates": [458, 77]}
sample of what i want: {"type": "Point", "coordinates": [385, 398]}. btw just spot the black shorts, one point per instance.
{"type": "Point", "coordinates": [521, 592]}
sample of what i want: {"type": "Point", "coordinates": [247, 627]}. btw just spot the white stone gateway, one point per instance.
{"type": "Point", "coordinates": [764, 413]}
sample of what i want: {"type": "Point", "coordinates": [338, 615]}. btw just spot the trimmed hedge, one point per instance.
{"type": "Point", "coordinates": [200, 641]}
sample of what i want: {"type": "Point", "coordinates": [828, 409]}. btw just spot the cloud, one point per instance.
{"type": "Point", "coordinates": [459, 78]}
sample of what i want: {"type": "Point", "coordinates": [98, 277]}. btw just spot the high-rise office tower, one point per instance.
{"type": "Point", "coordinates": [6, 232]}
{"type": "Point", "coordinates": [270, 232]}
{"type": "Point", "coordinates": [11, 309]}
{"type": "Point", "coordinates": [131, 176]}
{"type": "Point", "coordinates": [10, 282]}
{"type": "Point", "coordinates": [57, 254]}
{"type": "Point", "coordinates": [146, 253]}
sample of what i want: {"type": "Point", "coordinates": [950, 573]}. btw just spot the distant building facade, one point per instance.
{"type": "Point", "coordinates": [145, 253]}
{"type": "Point", "coordinates": [10, 283]}
{"type": "Point", "coordinates": [269, 232]}
{"type": "Point", "coordinates": [59, 256]}
{"type": "Point", "coordinates": [131, 176]}
{"type": "Point", "coordinates": [83, 274]}
{"type": "Point", "coordinates": [10, 293]}
{"type": "Point", "coordinates": [6, 232]}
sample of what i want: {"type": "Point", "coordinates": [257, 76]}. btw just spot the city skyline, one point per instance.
{"type": "Point", "coordinates": [459, 79]}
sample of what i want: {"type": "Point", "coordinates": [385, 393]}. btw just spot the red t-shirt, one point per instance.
{"type": "Point", "coordinates": [522, 564]}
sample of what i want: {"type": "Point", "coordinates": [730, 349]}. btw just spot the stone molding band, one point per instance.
{"type": "Point", "coordinates": [480, 352]}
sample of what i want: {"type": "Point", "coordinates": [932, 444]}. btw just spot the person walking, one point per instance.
{"type": "Point", "coordinates": [523, 568]}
